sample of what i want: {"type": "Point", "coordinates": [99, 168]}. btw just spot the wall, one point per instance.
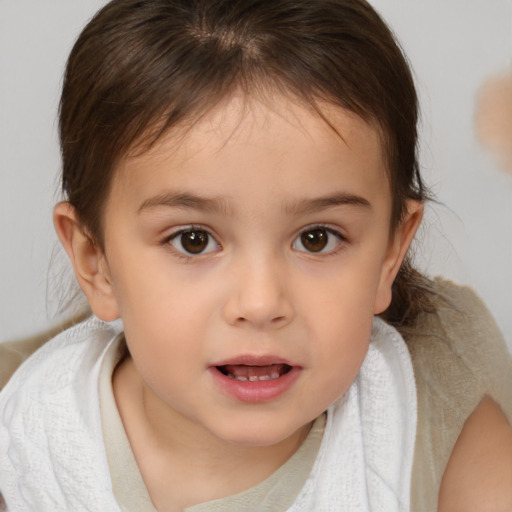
{"type": "Point", "coordinates": [453, 46]}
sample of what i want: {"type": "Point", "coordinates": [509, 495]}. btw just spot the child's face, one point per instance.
{"type": "Point", "coordinates": [247, 260]}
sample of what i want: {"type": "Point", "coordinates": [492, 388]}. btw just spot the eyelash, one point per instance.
{"type": "Point", "coordinates": [189, 256]}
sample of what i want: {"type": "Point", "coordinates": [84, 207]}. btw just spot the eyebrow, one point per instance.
{"type": "Point", "coordinates": [218, 205]}
{"type": "Point", "coordinates": [186, 201]}
{"type": "Point", "coordinates": [328, 201]}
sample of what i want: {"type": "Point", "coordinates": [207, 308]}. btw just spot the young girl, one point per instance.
{"type": "Point", "coordinates": [241, 192]}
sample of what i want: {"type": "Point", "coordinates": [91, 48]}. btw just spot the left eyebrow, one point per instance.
{"type": "Point", "coordinates": [329, 201]}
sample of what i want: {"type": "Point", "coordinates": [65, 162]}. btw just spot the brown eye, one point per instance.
{"type": "Point", "coordinates": [194, 241]}
{"type": "Point", "coordinates": [317, 240]}
{"type": "Point", "coordinates": [314, 240]}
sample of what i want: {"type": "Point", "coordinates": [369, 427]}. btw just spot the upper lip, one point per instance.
{"type": "Point", "coordinates": [253, 360]}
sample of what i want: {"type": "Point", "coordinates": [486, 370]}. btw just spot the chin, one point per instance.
{"type": "Point", "coordinates": [258, 434]}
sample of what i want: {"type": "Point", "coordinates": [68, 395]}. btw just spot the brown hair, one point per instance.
{"type": "Point", "coordinates": [141, 67]}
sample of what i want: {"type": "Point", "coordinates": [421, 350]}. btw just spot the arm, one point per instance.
{"type": "Point", "coordinates": [478, 476]}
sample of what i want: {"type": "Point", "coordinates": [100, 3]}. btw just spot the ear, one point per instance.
{"type": "Point", "coordinates": [399, 244]}
{"type": "Point", "coordinates": [88, 260]}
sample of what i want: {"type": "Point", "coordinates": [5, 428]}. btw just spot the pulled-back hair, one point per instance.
{"type": "Point", "coordinates": [141, 67]}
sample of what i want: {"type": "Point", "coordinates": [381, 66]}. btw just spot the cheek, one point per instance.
{"type": "Point", "coordinates": [343, 338]}
{"type": "Point", "coordinates": [342, 358]}
{"type": "Point", "coordinates": [340, 318]}
{"type": "Point", "coordinates": [148, 283]}
{"type": "Point", "coordinates": [339, 363]}
{"type": "Point", "coordinates": [163, 343]}
{"type": "Point", "coordinates": [344, 295]}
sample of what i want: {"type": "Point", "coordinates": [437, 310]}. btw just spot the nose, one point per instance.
{"type": "Point", "coordinates": [258, 297]}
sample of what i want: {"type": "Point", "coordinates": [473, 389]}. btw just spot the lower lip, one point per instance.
{"type": "Point", "coordinates": [255, 391]}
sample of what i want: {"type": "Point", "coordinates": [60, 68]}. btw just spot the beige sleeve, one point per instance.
{"type": "Point", "coordinates": [459, 356]}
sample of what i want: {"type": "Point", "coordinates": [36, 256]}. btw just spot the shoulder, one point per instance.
{"type": "Point", "coordinates": [459, 351]}
{"type": "Point", "coordinates": [14, 353]}
{"type": "Point", "coordinates": [479, 472]}
{"type": "Point", "coordinates": [461, 321]}
{"type": "Point", "coordinates": [56, 363]}
{"type": "Point", "coordinates": [459, 357]}
{"type": "Point", "coordinates": [50, 419]}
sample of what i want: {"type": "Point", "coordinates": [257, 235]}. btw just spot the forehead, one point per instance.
{"type": "Point", "coordinates": [277, 146]}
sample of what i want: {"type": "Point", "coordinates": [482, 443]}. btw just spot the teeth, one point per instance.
{"type": "Point", "coordinates": [249, 373]}
{"type": "Point", "coordinates": [254, 378]}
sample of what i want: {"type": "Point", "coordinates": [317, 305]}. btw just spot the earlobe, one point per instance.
{"type": "Point", "coordinates": [399, 244]}
{"type": "Point", "coordinates": [88, 260]}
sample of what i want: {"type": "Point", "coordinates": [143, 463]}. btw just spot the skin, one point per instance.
{"type": "Point", "coordinates": [478, 476]}
{"type": "Point", "coordinates": [252, 178]}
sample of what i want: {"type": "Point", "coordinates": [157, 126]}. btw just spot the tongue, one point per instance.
{"type": "Point", "coordinates": [242, 370]}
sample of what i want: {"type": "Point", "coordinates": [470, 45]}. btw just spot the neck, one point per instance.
{"type": "Point", "coordinates": [181, 463]}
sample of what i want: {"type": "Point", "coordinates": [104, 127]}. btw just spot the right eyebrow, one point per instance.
{"type": "Point", "coordinates": [185, 200]}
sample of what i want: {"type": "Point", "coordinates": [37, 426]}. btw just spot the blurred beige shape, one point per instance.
{"type": "Point", "coordinates": [493, 118]}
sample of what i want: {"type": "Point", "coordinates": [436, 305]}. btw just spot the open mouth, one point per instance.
{"type": "Point", "coordinates": [253, 373]}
